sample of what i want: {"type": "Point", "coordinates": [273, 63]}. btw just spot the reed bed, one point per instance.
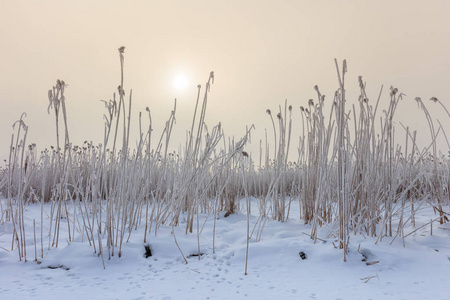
{"type": "Point", "coordinates": [354, 173]}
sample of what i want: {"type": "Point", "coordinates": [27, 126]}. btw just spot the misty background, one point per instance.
{"type": "Point", "coordinates": [262, 52]}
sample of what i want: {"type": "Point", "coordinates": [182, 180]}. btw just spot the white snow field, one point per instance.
{"type": "Point", "coordinates": [418, 270]}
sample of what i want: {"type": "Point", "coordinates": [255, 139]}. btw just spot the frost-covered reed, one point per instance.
{"type": "Point", "coordinates": [354, 173]}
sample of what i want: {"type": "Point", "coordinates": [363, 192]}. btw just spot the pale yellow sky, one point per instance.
{"type": "Point", "coordinates": [262, 52]}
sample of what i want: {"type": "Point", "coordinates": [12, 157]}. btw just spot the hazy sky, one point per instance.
{"type": "Point", "coordinates": [262, 52]}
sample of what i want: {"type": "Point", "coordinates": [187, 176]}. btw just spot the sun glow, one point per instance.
{"type": "Point", "coordinates": [180, 82]}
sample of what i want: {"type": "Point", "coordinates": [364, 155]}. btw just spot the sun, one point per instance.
{"type": "Point", "coordinates": [180, 82]}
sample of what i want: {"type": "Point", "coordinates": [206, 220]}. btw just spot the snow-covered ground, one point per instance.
{"type": "Point", "coordinates": [275, 269]}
